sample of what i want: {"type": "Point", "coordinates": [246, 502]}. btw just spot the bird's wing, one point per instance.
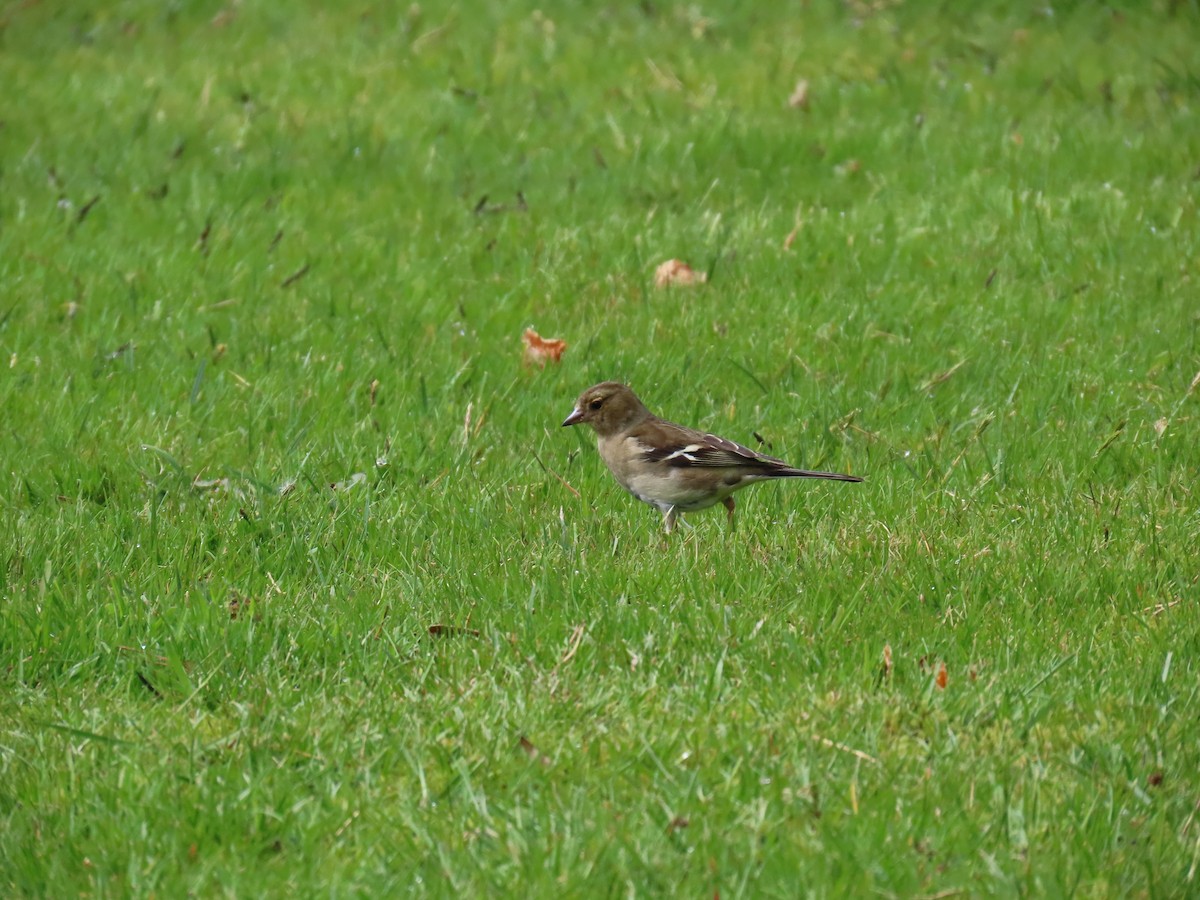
{"type": "Point", "coordinates": [677, 446]}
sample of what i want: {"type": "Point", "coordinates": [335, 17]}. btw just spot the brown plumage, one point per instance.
{"type": "Point", "coordinates": [674, 468]}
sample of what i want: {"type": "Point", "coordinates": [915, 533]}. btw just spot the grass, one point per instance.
{"type": "Point", "coordinates": [291, 246]}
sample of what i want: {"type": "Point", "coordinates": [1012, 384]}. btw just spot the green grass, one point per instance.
{"type": "Point", "coordinates": [218, 230]}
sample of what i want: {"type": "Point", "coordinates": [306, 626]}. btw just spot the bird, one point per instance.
{"type": "Point", "coordinates": [672, 467]}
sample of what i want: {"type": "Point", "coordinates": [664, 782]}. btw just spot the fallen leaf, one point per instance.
{"type": "Point", "coordinates": [676, 271]}
{"type": "Point", "coordinates": [942, 677]}
{"type": "Point", "coordinates": [887, 660]}
{"type": "Point", "coordinates": [791, 238]}
{"type": "Point", "coordinates": [239, 605]}
{"type": "Point", "coordinates": [540, 350]}
{"type": "Point", "coordinates": [532, 751]}
{"type": "Point", "coordinates": [799, 98]}
{"type": "Point", "coordinates": [1155, 778]}
{"type": "Point", "coordinates": [677, 823]}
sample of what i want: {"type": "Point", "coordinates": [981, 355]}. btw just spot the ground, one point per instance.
{"type": "Point", "coordinates": [305, 591]}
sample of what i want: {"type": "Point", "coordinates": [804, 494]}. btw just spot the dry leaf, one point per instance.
{"type": "Point", "coordinates": [791, 238]}
{"type": "Point", "coordinates": [532, 751]}
{"type": "Point", "coordinates": [540, 350]}
{"type": "Point", "coordinates": [799, 98]}
{"type": "Point", "coordinates": [676, 271]}
{"type": "Point", "coordinates": [941, 678]}
{"type": "Point", "coordinates": [887, 660]}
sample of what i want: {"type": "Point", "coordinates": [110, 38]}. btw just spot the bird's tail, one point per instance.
{"type": "Point", "coordinates": [789, 472]}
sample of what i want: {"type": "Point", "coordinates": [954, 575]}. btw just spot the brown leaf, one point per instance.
{"type": "Point", "coordinates": [799, 98]}
{"type": "Point", "coordinates": [451, 630]}
{"type": "Point", "coordinates": [540, 350]}
{"type": "Point", "coordinates": [677, 272]}
{"type": "Point", "coordinates": [942, 677]}
{"type": "Point", "coordinates": [791, 238]}
{"type": "Point", "coordinates": [1155, 778]}
{"type": "Point", "coordinates": [677, 823]}
{"type": "Point", "coordinates": [887, 660]}
{"type": "Point", "coordinates": [532, 751]}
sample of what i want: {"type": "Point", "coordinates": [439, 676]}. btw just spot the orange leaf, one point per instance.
{"type": "Point", "coordinates": [942, 678]}
{"type": "Point", "coordinates": [676, 271]}
{"type": "Point", "coordinates": [540, 350]}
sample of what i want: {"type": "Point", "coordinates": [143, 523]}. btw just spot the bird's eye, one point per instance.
{"type": "Point", "coordinates": [595, 404]}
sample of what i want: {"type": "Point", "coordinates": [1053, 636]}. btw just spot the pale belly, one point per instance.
{"type": "Point", "coordinates": [676, 491]}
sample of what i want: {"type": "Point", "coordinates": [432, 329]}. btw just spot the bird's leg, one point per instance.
{"type": "Point", "coordinates": [729, 504]}
{"type": "Point", "coordinates": [669, 518]}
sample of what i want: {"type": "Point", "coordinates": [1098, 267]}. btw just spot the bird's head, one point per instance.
{"type": "Point", "coordinates": [609, 407]}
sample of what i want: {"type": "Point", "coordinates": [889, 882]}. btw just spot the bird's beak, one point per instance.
{"type": "Point", "coordinates": [574, 418]}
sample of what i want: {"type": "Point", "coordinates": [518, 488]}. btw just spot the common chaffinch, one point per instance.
{"type": "Point", "coordinates": [674, 468]}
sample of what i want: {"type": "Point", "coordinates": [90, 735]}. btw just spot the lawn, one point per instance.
{"type": "Point", "coordinates": [306, 592]}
